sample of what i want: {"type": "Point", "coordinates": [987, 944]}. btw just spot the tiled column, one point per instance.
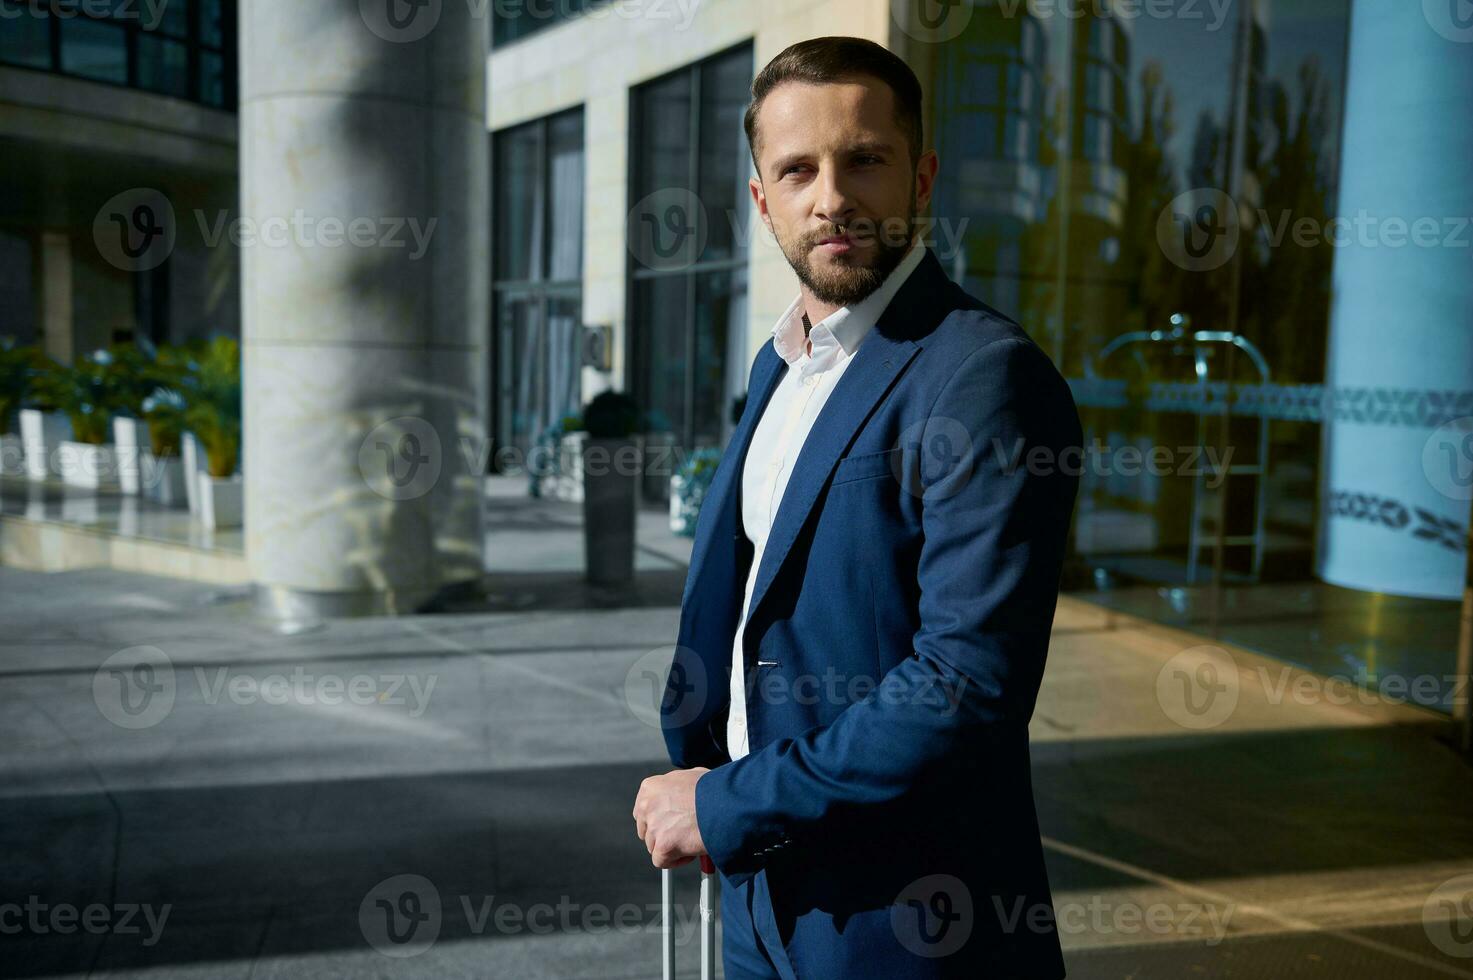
{"type": "Point", "coordinates": [1402, 328]}
{"type": "Point", "coordinates": [364, 258]}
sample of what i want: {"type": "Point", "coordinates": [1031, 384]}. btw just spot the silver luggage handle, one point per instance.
{"type": "Point", "coordinates": [708, 920]}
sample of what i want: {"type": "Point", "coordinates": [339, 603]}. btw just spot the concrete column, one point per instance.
{"type": "Point", "coordinates": [1401, 342]}
{"type": "Point", "coordinates": [364, 247]}
{"type": "Point", "coordinates": [57, 339]}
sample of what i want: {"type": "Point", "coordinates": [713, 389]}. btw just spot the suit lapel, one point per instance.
{"type": "Point", "coordinates": [919, 305]}
{"type": "Point", "coordinates": [876, 364]}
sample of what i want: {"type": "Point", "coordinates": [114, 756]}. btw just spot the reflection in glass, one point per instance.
{"type": "Point", "coordinates": [163, 66]}
{"type": "Point", "coordinates": [94, 50]}
{"type": "Point", "coordinates": [24, 40]}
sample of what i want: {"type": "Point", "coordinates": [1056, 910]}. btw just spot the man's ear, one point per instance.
{"type": "Point", "coordinates": [759, 198]}
{"type": "Point", "coordinates": [926, 169]}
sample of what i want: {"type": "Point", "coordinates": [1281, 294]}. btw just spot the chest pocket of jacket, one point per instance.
{"type": "Point", "coordinates": [868, 466]}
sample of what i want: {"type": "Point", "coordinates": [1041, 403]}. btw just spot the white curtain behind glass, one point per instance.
{"type": "Point", "coordinates": [565, 175]}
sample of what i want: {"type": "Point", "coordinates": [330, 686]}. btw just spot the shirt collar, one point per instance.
{"type": "Point", "coordinates": [841, 331]}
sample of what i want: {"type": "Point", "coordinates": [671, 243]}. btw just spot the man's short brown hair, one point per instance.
{"type": "Point", "coordinates": [824, 60]}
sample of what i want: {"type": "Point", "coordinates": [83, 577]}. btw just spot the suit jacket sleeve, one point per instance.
{"type": "Point", "coordinates": [995, 527]}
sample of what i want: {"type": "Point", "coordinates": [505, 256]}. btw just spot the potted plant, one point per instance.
{"type": "Point", "coordinates": [177, 369]}
{"type": "Point", "coordinates": [16, 364]}
{"type": "Point", "coordinates": [85, 394]}
{"type": "Point", "coordinates": [43, 426]}
{"type": "Point", "coordinates": [133, 377]}
{"type": "Point", "coordinates": [555, 467]}
{"type": "Point", "coordinates": [611, 465]}
{"type": "Point", "coordinates": [161, 467]}
{"type": "Point", "coordinates": [212, 413]}
{"type": "Point", "coordinates": [688, 486]}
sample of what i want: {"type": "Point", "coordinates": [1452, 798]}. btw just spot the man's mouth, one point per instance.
{"type": "Point", "coordinates": [835, 244]}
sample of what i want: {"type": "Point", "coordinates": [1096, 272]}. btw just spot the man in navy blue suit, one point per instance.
{"type": "Point", "coordinates": [874, 576]}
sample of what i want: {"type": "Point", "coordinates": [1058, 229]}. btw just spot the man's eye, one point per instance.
{"type": "Point", "coordinates": [867, 159]}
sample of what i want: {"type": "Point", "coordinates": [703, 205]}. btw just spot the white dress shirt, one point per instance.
{"type": "Point", "coordinates": [800, 395]}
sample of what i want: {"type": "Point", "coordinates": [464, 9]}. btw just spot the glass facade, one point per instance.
{"type": "Point", "coordinates": [1124, 186]}
{"type": "Point", "coordinates": [184, 48]}
{"type": "Point", "coordinates": [687, 318]}
{"type": "Point", "coordinates": [537, 269]}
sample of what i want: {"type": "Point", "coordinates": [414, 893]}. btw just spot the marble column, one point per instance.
{"type": "Point", "coordinates": [364, 247]}
{"type": "Point", "coordinates": [57, 336]}
{"type": "Point", "coordinates": [1396, 455]}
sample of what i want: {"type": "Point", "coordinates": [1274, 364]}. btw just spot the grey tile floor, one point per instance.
{"type": "Point", "coordinates": [493, 753]}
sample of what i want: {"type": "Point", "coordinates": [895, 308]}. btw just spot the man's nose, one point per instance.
{"type": "Point", "coordinates": [834, 203]}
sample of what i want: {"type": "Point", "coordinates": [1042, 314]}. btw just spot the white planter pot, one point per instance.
{"type": "Point", "coordinates": [565, 479]}
{"type": "Point", "coordinates": [87, 466]}
{"type": "Point", "coordinates": [194, 465]}
{"type": "Point", "coordinates": [12, 455]}
{"type": "Point", "coordinates": [221, 501]}
{"type": "Point", "coordinates": [130, 440]}
{"type": "Point", "coordinates": [41, 433]}
{"type": "Point", "coordinates": [163, 480]}
{"type": "Point", "coordinates": [686, 497]}
{"type": "Point", "coordinates": [678, 523]}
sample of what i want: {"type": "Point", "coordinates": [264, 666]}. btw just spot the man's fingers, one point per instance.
{"type": "Point", "coordinates": [641, 808]}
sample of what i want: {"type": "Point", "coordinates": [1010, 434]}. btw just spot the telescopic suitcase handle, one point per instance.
{"type": "Point", "coordinates": [708, 920]}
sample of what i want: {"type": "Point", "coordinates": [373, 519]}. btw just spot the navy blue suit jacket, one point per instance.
{"type": "Point", "coordinates": [894, 648]}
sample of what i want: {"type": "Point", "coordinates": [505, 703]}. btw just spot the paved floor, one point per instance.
{"type": "Point", "coordinates": [1207, 812]}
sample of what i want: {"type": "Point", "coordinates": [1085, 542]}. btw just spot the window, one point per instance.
{"type": "Point", "coordinates": [184, 48]}
{"type": "Point", "coordinates": [537, 269]}
{"type": "Point", "coordinates": [688, 273]}
{"type": "Point", "coordinates": [512, 20]}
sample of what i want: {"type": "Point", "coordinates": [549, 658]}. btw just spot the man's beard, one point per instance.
{"type": "Point", "coordinates": [848, 282]}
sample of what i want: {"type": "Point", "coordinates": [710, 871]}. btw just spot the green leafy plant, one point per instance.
{"type": "Point", "coordinates": [612, 415]}
{"type": "Point", "coordinates": [164, 377]}
{"type": "Point", "coordinates": [695, 473]}
{"type": "Point", "coordinates": [85, 391]}
{"type": "Point", "coordinates": [133, 374]}
{"type": "Point", "coordinates": [700, 466]}
{"type": "Point", "coordinates": [164, 413]}
{"type": "Point", "coordinates": [18, 365]}
{"type": "Point", "coordinates": [212, 402]}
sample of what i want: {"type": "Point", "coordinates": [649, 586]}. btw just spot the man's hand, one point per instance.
{"type": "Point", "coordinates": [665, 817]}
